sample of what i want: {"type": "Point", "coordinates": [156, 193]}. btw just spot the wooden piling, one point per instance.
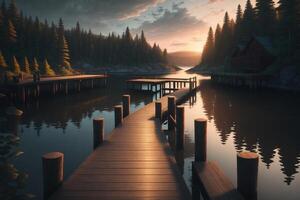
{"type": "Point", "coordinates": [118, 115]}
{"type": "Point", "coordinates": [98, 131]}
{"type": "Point", "coordinates": [126, 105]}
{"type": "Point", "coordinates": [171, 112]}
{"type": "Point", "coordinates": [158, 112]}
{"type": "Point", "coordinates": [200, 139]}
{"type": "Point", "coordinates": [247, 172]}
{"type": "Point", "coordinates": [53, 172]}
{"type": "Point", "coordinates": [179, 127]}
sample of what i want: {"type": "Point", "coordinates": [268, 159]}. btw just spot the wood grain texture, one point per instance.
{"type": "Point", "coordinates": [135, 163]}
{"type": "Point", "coordinates": [214, 184]}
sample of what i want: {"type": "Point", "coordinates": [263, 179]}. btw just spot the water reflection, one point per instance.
{"type": "Point", "coordinates": [64, 124]}
{"type": "Point", "coordinates": [257, 121]}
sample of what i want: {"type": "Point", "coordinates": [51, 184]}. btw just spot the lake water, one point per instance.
{"type": "Point", "coordinates": [265, 122]}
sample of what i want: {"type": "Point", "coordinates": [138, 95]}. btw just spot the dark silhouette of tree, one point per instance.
{"type": "Point", "coordinates": [217, 46]}
{"type": "Point", "coordinates": [226, 38]}
{"type": "Point", "coordinates": [289, 19]}
{"type": "Point", "coordinates": [64, 57]}
{"type": "Point", "coordinates": [26, 66]}
{"type": "Point", "coordinates": [22, 36]}
{"type": "Point", "coordinates": [208, 51]}
{"type": "Point", "coordinates": [266, 17]}
{"type": "Point", "coordinates": [238, 25]}
{"type": "Point", "coordinates": [248, 22]}
{"type": "Point", "coordinates": [11, 32]}
{"type": "Point", "coordinates": [47, 69]}
{"type": "Point", "coordinates": [15, 66]}
{"type": "Point", "coordinates": [3, 64]}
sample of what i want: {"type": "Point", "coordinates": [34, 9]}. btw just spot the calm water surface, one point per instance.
{"type": "Point", "coordinates": [265, 122]}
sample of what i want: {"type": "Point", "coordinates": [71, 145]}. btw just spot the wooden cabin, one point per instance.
{"type": "Point", "coordinates": [253, 57]}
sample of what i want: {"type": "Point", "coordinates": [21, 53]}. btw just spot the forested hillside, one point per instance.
{"type": "Point", "coordinates": [28, 44]}
{"type": "Point", "coordinates": [280, 24]}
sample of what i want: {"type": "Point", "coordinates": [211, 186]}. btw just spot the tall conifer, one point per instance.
{"type": "Point", "coordinates": [208, 51]}
{"type": "Point", "coordinates": [266, 17]}
{"type": "Point", "coordinates": [26, 66]}
{"type": "Point", "coordinates": [15, 66]}
{"type": "Point", "coordinates": [3, 64]}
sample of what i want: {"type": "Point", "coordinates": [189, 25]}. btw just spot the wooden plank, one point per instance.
{"type": "Point", "coordinates": [134, 163]}
{"type": "Point", "coordinates": [214, 184]}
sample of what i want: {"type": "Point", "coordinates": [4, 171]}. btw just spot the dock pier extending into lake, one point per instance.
{"type": "Point", "coordinates": [138, 161]}
{"type": "Point", "coordinates": [27, 89]}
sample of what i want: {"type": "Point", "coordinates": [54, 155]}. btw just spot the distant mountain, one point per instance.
{"type": "Point", "coordinates": [184, 58]}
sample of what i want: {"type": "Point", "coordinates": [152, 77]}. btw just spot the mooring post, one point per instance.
{"type": "Point", "coordinates": [126, 105]}
{"type": "Point", "coordinates": [179, 127]}
{"type": "Point", "coordinates": [98, 131]}
{"type": "Point", "coordinates": [118, 115]}
{"type": "Point", "coordinates": [171, 112]}
{"type": "Point", "coordinates": [247, 172]}
{"type": "Point", "coordinates": [158, 111]}
{"type": "Point", "coordinates": [200, 140]}
{"type": "Point", "coordinates": [53, 172]}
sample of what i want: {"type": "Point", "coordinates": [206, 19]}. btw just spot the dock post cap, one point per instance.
{"type": "Point", "coordinates": [126, 95]}
{"type": "Point", "coordinates": [118, 106]}
{"type": "Point", "coordinates": [248, 155]}
{"type": "Point", "coordinates": [53, 155]}
{"type": "Point", "coordinates": [201, 120]}
{"type": "Point", "coordinates": [171, 97]}
{"type": "Point", "coordinates": [181, 106]}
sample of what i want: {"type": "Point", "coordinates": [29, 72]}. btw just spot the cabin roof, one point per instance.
{"type": "Point", "coordinates": [266, 43]}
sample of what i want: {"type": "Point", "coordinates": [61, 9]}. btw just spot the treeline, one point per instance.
{"type": "Point", "coordinates": [29, 45]}
{"type": "Point", "coordinates": [281, 24]}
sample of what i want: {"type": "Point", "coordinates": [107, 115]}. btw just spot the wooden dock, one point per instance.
{"type": "Point", "coordinates": [161, 85]}
{"type": "Point", "coordinates": [135, 163]}
{"type": "Point", "coordinates": [23, 90]}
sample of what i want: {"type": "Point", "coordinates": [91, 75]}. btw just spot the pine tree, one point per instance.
{"type": "Point", "coordinates": [64, 56]}
{"type": "Point", "coordinates": [217, 45]}
{"type": "Point", "coordinates": [266, 17]}
{"type": "Point", "coordinates": [226, 38]}
{"type": "Point", "coordinates": [208, 51]}
{"type": "Point", "coordinates": [289, 19]}
{"type": "Point", "coordinates": [11, 32]}
{"type": "Point", "coordinates": [35, 66]}
{"type": "Point", "coordinates": [248, 22]}
{"type": "Point", "coordinates": [26, 66]}
{"type": "Point", "coordinates": [13, 12]}
{"type": "Point", "coordinates": [238, 24]}
{"type": "Point", "coordinates": [3, 65]}
{"type": "Point", "coordinates": [47, 69]}
{"type": "Point", "coordinates": [15, 66]}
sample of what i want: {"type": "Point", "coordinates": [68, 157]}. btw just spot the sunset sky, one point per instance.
{"type": "Point", "coordinates": [178, 25]}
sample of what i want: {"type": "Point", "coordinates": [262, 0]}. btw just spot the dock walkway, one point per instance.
{"type": "Point", "coordinates": [135, 163]}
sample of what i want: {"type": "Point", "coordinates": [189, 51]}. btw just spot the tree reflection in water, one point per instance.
{"type": "Point", "coordinates": [258, 120]}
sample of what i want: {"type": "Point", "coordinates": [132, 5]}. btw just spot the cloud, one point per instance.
{"type": "Point", "coordinates": [172, 25]}
{"type": "Point", "coordinates": [179, 44]}
{"type": "Point", "coordinates": [213, 1]}
{"type": "Point", "coordinates": [89, 12]}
